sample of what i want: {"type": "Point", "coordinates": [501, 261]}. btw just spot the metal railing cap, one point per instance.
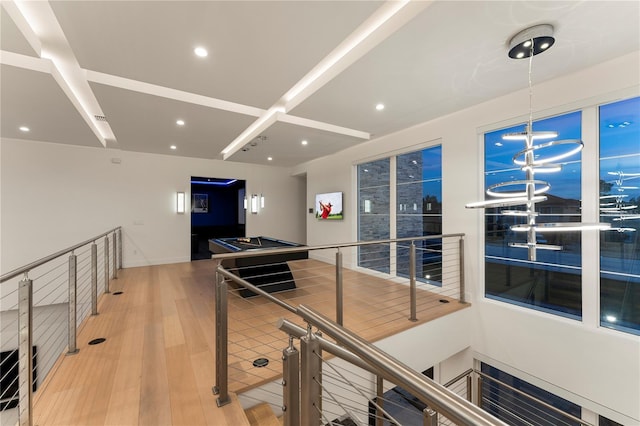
{"type": "Point", "coordinates": [271, 251]}
{"type": "Point", "coordinates": [35, 264]}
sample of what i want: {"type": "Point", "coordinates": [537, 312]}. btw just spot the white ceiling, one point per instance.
{"type": "Point", "coordinates": [63, 62]}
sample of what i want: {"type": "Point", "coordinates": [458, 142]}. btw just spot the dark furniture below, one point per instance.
{"type": "Point", "coordinates": [269, 272]}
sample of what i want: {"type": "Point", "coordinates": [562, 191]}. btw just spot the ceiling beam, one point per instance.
{"type": "Point", "coordinates": [66, 70]}
{"type": "Point", "coordinates": [386, 20]}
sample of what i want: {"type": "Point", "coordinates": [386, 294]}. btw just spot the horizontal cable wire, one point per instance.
{"type": "Point", "coordinates": [304, 277]}
{"type": "Point", "coordinates": [512, 416]}
{"type": "Point", "coordinates": [63, 293]}
{"type": "Point", "coordinates": [512, 402]}
{"type": "Point", "coordinates": [8, 326]}
{"type": "Point", "coordinates": [6, 297]}
{"type": "Point", "coordinates": [349, 411]}
{"type": "Point", "coordinates": [49, 283]}
{"type": "Point", "coordinates": [350, 385]}
{"type": "Point", "coordinates": [12, 397]}
{"type": "Point", "coordinates": [269, 392]}
{"type": "Point", "coordinates": [52, 270]}
{"type": "Point", "coordinates": [337, 416]}
{"type": "Point", "coordinates": [55, 348]}
{"type": "Point", "coordinates": [47, 345]}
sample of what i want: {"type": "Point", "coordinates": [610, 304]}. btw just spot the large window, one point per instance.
{"type": "Point", "coordinates": [419, 211]}
{"type": "Point", "coordinates": [373, 214]}
{"type": "Point", "coordinates": [499, 399]}
{"type": "Point", "coordinates": [619, 201]}
{"type": "Point", "coordinates": [552, 283]}
{"type": "Point", "coordinates": [414, 181]}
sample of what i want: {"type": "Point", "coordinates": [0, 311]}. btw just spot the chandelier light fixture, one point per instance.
{"type": "Point", "coordinates": [535, 158]}
{"type": "Point", "coordinates": [614, 205]}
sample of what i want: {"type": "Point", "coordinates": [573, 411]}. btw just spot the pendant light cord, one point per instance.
{"type": "Point", "coordinates": [530, 124]}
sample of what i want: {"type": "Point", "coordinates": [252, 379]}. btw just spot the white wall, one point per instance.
{"type": "Point", "coordinates": [617, 362]}
{"type": "Point", "coordinates": [419, 348]}
{"type": "Point", "coordinates": [54, 196]}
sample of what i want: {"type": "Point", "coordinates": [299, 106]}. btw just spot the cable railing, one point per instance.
{"type": "Point", "coordinates": [247, 353]}
{"type": "Point", "coordinates": [42, 306]}
{"type": "Point", "coordinates": [354, 383]}
{"type": "Point", "coordinates": [437, 398]}
{"type": "Point", "coordinates": [379, 304]}
{"type": "Point", "coordinates": [522, 408]}
{"type": "Point", "coordinates": [337, 377]}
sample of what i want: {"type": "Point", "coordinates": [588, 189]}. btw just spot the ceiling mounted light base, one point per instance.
{"type": "Point", "coordinates": [540, 35]}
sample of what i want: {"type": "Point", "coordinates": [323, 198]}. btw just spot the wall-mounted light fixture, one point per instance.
{"type": "Point", "coordinates": [180, 202]}
{"type": "Point", "coordinates": [261, 201]}
{"type": "Point", "coordinates": [254, 204]}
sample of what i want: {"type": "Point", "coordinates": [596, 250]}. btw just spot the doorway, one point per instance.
{"type": "Point", "coordinates": [217, 211]}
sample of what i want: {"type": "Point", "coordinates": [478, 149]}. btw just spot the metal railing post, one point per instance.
{"type": "Point", "coordinates": [379, 400]}
{"type": "Point", "coordinates": [221, 387]}
{"type": "Point", "coordinates": [119, 248]}
{"type": "Point", "coordinates": [461, 260]}
{"type": "Point", "coordinates": [479, 392]}
{"type": "Point", "coordinates": [339, 292]}
{"type": "Point", "coordinates": [291, 385]}
{"type": "Point", "coordinates": [412, 281]}
{"type": "Point", "coordinates": [310, 371]}
{"type": "Point", "coordinates": [25, 351]}
{"type": "Point", "coordinates": [434, 395]}
{"type": "Point", "coordinates": [469, 388]}
{"type": "Point", "coordinates": [115, 258]}
{"type": "Point", "coordinates": [430, 417]}
{"type": "Point", "coordinates": [73, 293]}
{"type": "Point", "coordinates": [94, 279]}
{"type": "Point", "coordinates": [106, 264]}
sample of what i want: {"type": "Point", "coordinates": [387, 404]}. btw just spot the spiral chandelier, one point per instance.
{"type": "Point", "coordinates": [534, 158]}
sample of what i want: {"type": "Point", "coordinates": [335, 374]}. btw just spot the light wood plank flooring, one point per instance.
{"type": "Point", "coordinates": [157, 366]}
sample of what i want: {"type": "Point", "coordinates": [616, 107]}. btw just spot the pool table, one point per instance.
{"type": "Point", "coordinates": [269, 272]}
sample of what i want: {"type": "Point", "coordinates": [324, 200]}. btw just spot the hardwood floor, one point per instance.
{"type": "Point", "coordinates": [157, 366]}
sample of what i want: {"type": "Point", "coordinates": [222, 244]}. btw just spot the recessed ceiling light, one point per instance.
{"type": "Point", "coordinates": [173, 147]}
{"type": "Point", "coordinates": [180, 122]}
{"type": "Point", "coordinates": [269, 158]}
{"type": "Point", "coordinates": [24, 129]}
{"type": "Point", "coordinates": [201, 52]}
{"type": "Point", "coordinates": [380, 107]}
{"type": "Point", "coordinates": [305, 142]}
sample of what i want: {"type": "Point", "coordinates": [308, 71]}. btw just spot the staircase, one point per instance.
{"type": "Point", "coordinates": [262, 415]}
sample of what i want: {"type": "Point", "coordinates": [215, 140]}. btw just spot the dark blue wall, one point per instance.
{"type": "Point", "coordinates": [222, 218]}
{"type": "Point", "coordinates": [223, 206]}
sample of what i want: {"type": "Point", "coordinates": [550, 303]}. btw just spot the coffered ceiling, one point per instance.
{"type": "Point", "coordinates": [121, 73]}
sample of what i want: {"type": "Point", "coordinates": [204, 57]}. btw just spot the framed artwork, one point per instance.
{"type": "Point", "coordinates": [200, 203]}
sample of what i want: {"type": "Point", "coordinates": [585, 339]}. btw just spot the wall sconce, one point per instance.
{"type": "Point", "coordinates": [254, 204]}
{"type": "Point", "coordinates": [261, 201]}
{"type": "Point", "coordinates": [180, 202]}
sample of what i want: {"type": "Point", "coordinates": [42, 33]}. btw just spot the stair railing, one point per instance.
{"type": "Point", "coordinates": [74, 282]}
{"type": "Point", "coordinates": [349, 346]}
{"type": "Point", "coordinates": [445, 251]}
